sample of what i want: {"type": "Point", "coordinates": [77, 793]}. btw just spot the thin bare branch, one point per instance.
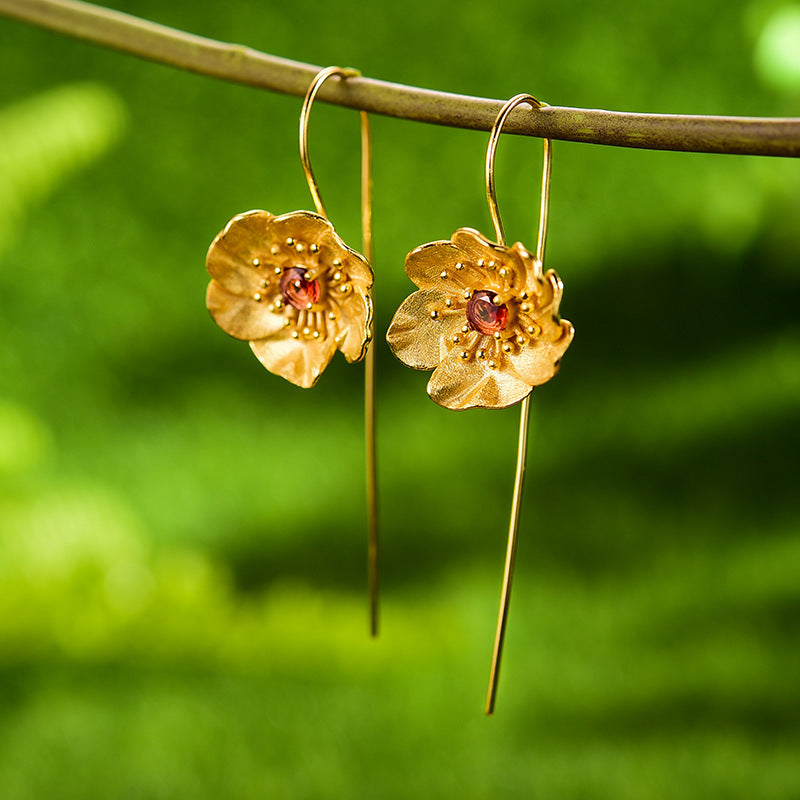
{"type": "Point", "coordinates": [703, 134]}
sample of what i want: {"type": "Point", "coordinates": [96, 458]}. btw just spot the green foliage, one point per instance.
{"type": "Point", "coordinates": [181, 534]}
{"type": "Point", "coordinates": [47, 138]}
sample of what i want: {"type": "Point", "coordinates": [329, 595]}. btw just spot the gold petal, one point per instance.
{"type": "Point", "coordinates": [241, 317]}
{"type": "Point", "coordinates": [419, 340]}
{"type": "Point", "coordinates": [546, 292]}
{"type": "Point", "coordinates": [354, 265]}
{"type": "Point", "coordinates": [459, 384]}
{"type": "Point", "coordinates": [300, 361]}
{"type": "Point", "coordinates": [475, 244]}
{"type": "Point", "coordinates": [356, 320]}
{"type": "Point", "coordinates": [304, 226]}
{"type": "Point", "coordinates": [426, 264]}
{"type": "Point", "coordinates": [538, 361]}
{"type": "Point", "coordinates": [230, 256]}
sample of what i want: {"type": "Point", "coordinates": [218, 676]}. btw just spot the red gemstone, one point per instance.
{"type": "Point", "coordinates": [483, 315]}
{"type": "Point", "coordinates": [296, 290]}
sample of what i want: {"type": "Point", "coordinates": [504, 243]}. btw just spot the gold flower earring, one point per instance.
{"type": "Point", "coordinates": [296, 292]}
{"type": "Point", "coordinates": [486, 322]}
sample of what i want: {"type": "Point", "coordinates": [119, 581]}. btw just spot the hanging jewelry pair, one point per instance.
{"type": "Point", "coordinates": [296, 292]}
{"type": "Point", "coordinates": [485, 320]}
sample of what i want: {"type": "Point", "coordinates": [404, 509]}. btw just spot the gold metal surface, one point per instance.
{"type": "Point", "coordinates": [293, 337]}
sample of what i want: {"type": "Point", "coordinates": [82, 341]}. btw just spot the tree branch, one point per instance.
{"type": "Point", "coordinates": [702, 134]}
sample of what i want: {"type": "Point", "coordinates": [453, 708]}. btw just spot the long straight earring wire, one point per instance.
{"type": "Point", "coordinates": [369, 366]}
{"type": "Point", "coordinates": [522, 447]}
{"type": "Point", "coordinates": [369, 388]}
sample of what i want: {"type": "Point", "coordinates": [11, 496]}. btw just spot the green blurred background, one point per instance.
{"type": "Point", "coordinates": [182, 569]}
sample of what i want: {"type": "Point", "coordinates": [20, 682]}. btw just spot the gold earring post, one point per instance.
{"type": "Point", "coordinates": [369, 365]}
{"type": "Point", "coordinates": [522, 448]}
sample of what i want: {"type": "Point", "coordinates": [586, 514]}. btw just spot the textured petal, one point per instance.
{"type": "Point", "coordinates": [537, 362]}
{"type": "Point", "coordinates": [230, 256]}
{"type": "Point", "coordinates": [356, 319]}
{"type": "Point", "coordinates": [546, 292]}
{"type": "Point", "coordinates": [426, 263]}
{"type": "Point", "coordinates": [416, 338]}
{"type": "Point", "coordinates": [241, 317]}
{"type": "Point", "coordinates": [476, 248]}
{"type": "Point", "coordinates": [303, 226]}
{"type": "Point", "coordinates": [354, 265]}
{"type": "Point", "coordinates": [479, 262]}
{"type": "Point", "coordinates": [300, 361]}
{"type": "Point", "coordinates": [459, 384]}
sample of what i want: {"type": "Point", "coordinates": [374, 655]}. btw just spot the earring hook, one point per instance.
{"type": "Point", "coordinates": [311, 94]}
{"type": "Point", "coordinates": [491, 192]}
{"type": "Point", "coordinates": [369, 376]}
{"type": "Point", "coordinates": [522, 445]}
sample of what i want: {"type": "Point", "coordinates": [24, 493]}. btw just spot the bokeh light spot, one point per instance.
{"type": "Point", "coordinates": [777, 52]}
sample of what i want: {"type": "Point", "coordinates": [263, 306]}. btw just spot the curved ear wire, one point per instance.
{"type": "Point", "coordinates": [369, 365]}
{"type": "Point", "coordinates": [291, 288]}
{"type": "Point", "coordinates": [522, 446]}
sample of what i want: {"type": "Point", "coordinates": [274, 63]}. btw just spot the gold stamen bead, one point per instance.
{"type": "Point", "coordinates": [331, 315]}
{"type": "Point", "coordinates": [507, 348]}
{"type": "Point", "coordinates": [257, 297]}
{"type": "Point", "coordinates": [459, 266]}
{"type": "Point", "coordinates": [295, 335]}
{"type": "Point", "coordinates": [274, 249]}
{"type": "Point", "coordinates": [278, 303]}
{"type": "Point", "coordinates": [456, 339]}
{"type": "Point", "coordinates": [314, 248]}
{"type": "Point", "coordinates": [481, 355]}
{"type": "Point", "coordinates": [309, 306]}
{"type": "Point", "coordinates": [468, 294]}
{"type": "Point", "coordinates": [290, 241]}
{"type": "Point", "coordinates": [264, 284]}
{"type": "Point", "coordinates": [520, 340]}
{"type": "Point", "coordinates": [344, 288]}
{"type": "Point", "coordinates": [464, 354]}
{"type": "Point", "coordinates": [337, 262]}
{"type": "Point", "coordinates": [465, 329]}
{"type": "Point", "coordinates": [316, 334]}
{"type": "Point", "coordinates": [492, 365]}
{"type": "Point", "coordinates": [256, 262]}
{"type": "Point", "coordinates": [532, 329]}
{"type": "Point", "coordinates": [434, 314]}
{"type": "Point", "coordinates": [497, 300]}
{"type": "Point", "coordinates": [526, 307]}
{"type": "Point", "coordinates": [503, 272]}
{"type": "Point", "coordinates": [277, 270]}
{"type": "Point", "coordinates": [496, 334]}
{"type": "Point", "coordinates": [337, 276]}
{"type": "Point", "coordinates": [300, 247]}
{"type": "Point", "coordinates": [448, 302]}
{"type": "Point", "coordinates": [287, 323]}
{"type": "Point", "coordinates": [493, 265]}
{"type": "Point", "coordinates": [443, 274]}
{"type": "Point", "coordinates": [481, 263]}
{"type": "Point", "coordinates": [306, 331]}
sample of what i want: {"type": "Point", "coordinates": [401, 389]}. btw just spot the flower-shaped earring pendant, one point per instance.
{"type": "Point", "coordinates": [485, 320]}
{"type": "Point", "coordinates": [291, 287]}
